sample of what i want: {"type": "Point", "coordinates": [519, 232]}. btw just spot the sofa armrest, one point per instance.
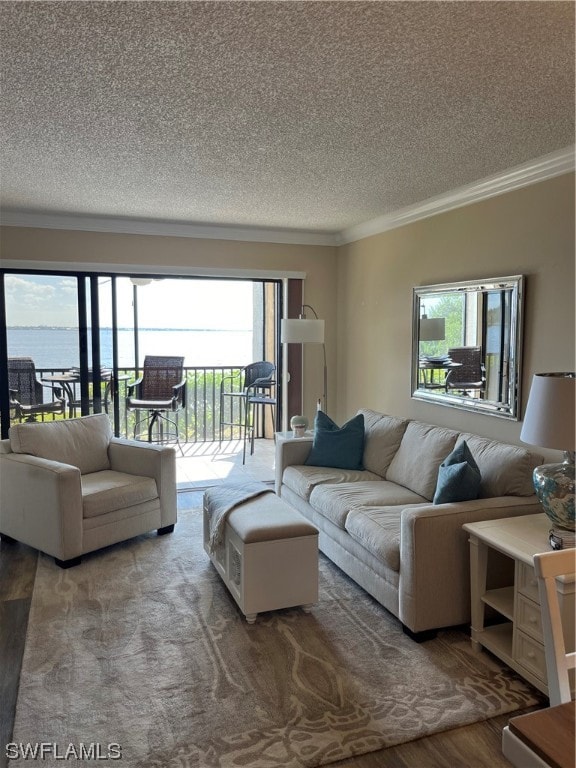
{"type": "Point", "coordinates": [41, 504]}
{"type": "Point", "coordinates": [435, 557]}
{"type": "Point", "coordinates": [289, 452]}
{"type": "Point", "coordinates": [149, 460]}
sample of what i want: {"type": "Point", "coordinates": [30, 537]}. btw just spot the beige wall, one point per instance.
{"type": "Point", "coordinates": [318, 262]}
{"type": "Point", "coordinates": [364, 290]}
{"type": "Point", "coordinates": [529, 232]}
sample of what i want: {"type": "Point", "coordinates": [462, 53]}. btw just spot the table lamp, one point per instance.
{"type": "Point", "coordinates": [549, 423]}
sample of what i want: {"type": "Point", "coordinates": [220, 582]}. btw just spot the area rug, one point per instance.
{"type": "Point", "coordinates": [141, 651]}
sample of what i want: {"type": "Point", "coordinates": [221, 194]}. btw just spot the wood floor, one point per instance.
{"type": "Point", "coordinates": [474, 746]}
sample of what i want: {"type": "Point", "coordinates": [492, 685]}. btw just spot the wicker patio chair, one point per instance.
{"type": "Point", "coordinates": [27, 393]}
{"type": "Point", "coordinates": [470, 374]}
{"type": "Point", "coordinates": [159, 391]}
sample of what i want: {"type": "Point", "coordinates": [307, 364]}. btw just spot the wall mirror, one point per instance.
{"type": "Point", "coordinates": [467, 342]}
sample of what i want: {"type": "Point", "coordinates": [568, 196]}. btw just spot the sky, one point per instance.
{"type": "Point", "coordinates": [35, 300]}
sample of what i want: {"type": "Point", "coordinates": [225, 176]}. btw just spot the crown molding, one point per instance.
{"type": "Point", "coordinates": [537, 170]}
{"type": "Point", "coordinates": [29, 219]}
{"type": "Point", "coordinates": [542, 168]}
{"type": "Point", "coordinates": [154, 272]}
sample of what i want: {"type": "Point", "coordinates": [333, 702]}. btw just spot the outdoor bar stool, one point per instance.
{"type": "Point", "coordinates": [237, 399]}
{"type": "Point", "coordinates": [255, 402]}
{"type": "Point", "coordinates": [159, 391]}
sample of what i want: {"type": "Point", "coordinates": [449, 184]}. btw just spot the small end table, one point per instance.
{"type": "Point", "coordinates": [518, 639]}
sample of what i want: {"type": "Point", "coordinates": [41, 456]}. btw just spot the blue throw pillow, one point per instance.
{"type": "Point", "coordinates": [458, 477]}
{"type": "Point", "coordinates": [334, 446]}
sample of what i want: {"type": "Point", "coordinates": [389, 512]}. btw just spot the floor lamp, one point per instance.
{"type": "Point", "coordinates": [304, 331]}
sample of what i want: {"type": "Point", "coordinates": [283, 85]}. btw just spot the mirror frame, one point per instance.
{"type": "Point", "coordinates": [515, 284]}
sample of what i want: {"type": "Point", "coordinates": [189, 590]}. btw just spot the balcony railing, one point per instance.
{"type": "Point", "coordinates": [199, 421]}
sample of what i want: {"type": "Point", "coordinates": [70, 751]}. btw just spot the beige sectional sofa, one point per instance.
{"type": "Point", "coordinates": [380, 526]}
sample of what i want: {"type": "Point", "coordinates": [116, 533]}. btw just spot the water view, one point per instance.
{"type": "Point", "coordinates": [57, 348]}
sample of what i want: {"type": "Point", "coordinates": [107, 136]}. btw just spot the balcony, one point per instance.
{"type": "Point", "coordinates": [204, 460]}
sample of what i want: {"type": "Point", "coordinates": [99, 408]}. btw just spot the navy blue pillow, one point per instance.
{"type": "Point", "coordinates": [458, 477]}
{"type": "Point", "coordinates": [334, 446]}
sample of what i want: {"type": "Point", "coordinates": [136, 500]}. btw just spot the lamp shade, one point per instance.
{"type": "Point", "coordinates": [432, 328]}
{"type": "Point", "coordinates": [549, 418]}
{"type": "Point", "coordinates": [302, 331]}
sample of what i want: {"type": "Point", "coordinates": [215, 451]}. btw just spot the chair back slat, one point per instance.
{"type": "Point", "coordinates": [27, 390]}
{"type": "Point", "coordinates": [470, 371]}
{"type": "Point", "coordinates": [262, 371]}
{"type": "Point", "coordinates": [160, 375]}
{"type": "Point", "coordinates": [549, 566]}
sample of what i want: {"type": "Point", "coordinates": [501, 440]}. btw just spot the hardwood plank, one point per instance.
{"type": "Point", "coordinates": [13, 625]}
{"type": "Point", "coordinates": [17, 570]}
{"type": "Point", "coordinates": [473, 746]}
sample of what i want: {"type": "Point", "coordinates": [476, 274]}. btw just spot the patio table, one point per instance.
{"type": "Point", "coordinates": [70, 379]}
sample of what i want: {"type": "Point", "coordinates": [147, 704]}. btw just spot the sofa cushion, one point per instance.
{"type": "Point", "coordinates": [458, 476]}
{"type": "Point", "coordinates": [336, 446]}
{"type": "Point", "coordinates": [506, 469]}
{"type": "Point", "coordinates": [377, 529]}
{"type": "Point", "coordinates": [382, 437]}
{"type": "Point", "coordinates": [334, 502]}
{"type": "Point", "coordinates": [107, 491]}
{"type": "Point", "coordinates": [302, 479]}
{"type": "Point", "coordinates": [423, 448]}
{"type": "Point", "coordinates": [82, 442]}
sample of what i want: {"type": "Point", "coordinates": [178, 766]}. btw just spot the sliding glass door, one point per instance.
{"type": "Point", "coordinates": [87, 336]}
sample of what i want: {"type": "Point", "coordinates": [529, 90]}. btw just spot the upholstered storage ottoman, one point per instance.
{"type": "Point", "coordinates": [269, 556]}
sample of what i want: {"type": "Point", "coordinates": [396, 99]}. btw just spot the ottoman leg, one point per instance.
{"type": "Point", "coordinates": [307, 608]}
{"type": "Point", "coordinates": [251, 617]}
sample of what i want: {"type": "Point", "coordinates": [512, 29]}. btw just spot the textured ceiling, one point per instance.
{"type": "Point", "coordinates": [307, 115]}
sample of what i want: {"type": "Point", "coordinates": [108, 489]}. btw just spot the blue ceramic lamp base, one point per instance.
{"type": "Point", "coordinates": [554, 486]}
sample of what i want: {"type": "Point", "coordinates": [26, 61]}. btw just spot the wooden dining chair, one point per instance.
{"type": "Point", "coordinates": [549, 566]}
{"type": "Point", "coordinates": [545, 739]}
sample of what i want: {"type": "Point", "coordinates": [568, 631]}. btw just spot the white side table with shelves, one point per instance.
{"type": "Point", "coordinates": [518, 640]}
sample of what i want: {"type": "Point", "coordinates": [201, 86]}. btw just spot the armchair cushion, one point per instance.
{"type": "Point", "coordinates": [82, 442]}
{"type": "Point", "coordinates": [107, 491]}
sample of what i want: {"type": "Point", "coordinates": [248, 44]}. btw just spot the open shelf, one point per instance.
{"type": "Point", "coordinates": [501, 600]}
{"type": "Point", "coordinates": [498, 639]}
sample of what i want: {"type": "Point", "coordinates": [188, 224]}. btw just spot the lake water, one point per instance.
{"type": "Point", "coordinates": [57, 348]}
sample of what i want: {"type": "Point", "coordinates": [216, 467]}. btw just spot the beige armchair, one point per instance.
{"type": "Point", "coordinates": [69, 487]}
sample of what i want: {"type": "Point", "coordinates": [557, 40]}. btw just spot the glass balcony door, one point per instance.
{"type": "Point", "coordinates": [87, 336]}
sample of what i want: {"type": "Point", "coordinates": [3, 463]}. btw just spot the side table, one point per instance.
{"type": "Point", "coordinates": [518, 640]}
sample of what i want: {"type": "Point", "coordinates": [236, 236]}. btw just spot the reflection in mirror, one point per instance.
{"type": "Point", "coordinates": [467, 345]}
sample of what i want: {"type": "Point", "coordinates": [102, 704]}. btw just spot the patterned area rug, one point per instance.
{"type": "Point", "coordinates": [142, 646]}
